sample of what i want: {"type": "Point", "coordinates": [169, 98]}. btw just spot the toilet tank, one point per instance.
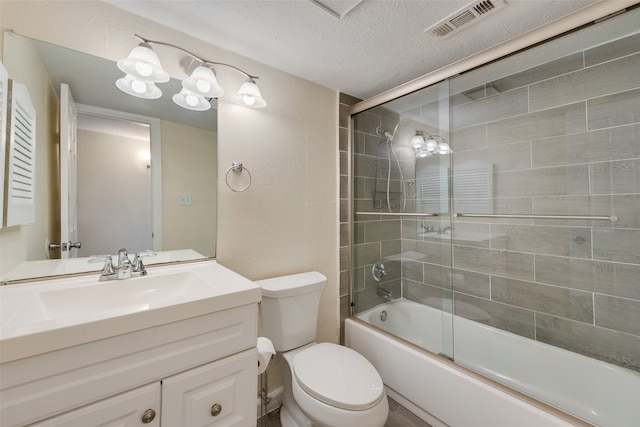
{"type": "Point", "coordinates": [290, 308]}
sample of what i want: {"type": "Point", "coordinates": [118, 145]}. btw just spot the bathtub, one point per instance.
{"type": "Point", "coordinates": [447, 394]}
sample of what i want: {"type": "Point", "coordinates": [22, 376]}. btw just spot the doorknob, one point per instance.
{"type": "Point", "coordinates": [64, 246]}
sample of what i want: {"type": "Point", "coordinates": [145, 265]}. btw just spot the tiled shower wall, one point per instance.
{"type": "Point", "coordinates": [562, 138]}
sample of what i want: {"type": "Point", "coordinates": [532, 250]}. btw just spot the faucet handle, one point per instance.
{"type": "Point", "coordinates": [108, 270]}
{"type": "Point", "coordinates": [138, 266]}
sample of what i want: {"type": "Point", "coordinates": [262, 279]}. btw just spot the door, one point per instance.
{"type": "Point", "coordinates": [69, 243]}
{"type": "Point", "coordinates": [212, 395]}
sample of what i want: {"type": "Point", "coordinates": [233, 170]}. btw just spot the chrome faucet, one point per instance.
{"type": "Point", "coordinates": [125, 268]}
{"type": "Point", "coordinates": [384, 293]}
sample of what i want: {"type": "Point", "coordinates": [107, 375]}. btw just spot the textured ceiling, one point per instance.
{"type": "Point", "coordinates": [376, 46]}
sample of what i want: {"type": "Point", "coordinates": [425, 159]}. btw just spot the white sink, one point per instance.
{"type": "Point", "coordinates": [141, 293]}
{"type": "Point", "coordinates": [43, 316]}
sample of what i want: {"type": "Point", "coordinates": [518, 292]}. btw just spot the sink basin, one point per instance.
{"type": "Point", "coordinates": [138, 294]}
{"type": "Point", "coordinates": [42, 316]}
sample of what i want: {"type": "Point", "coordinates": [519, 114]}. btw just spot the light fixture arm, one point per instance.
{"type": "Point", "coordinates": [193, 55]}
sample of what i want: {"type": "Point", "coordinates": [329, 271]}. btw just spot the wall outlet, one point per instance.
{"type": "Point", "coordinates": [185, 199]}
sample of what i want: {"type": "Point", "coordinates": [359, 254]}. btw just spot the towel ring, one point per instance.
{"type": "Point", "coordinates": [237, 167]}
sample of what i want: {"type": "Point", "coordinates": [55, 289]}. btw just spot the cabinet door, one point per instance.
{"type": "Point", "coordinates": [221, 393]}
{"type": "Point", "coordinates": [137, 408]}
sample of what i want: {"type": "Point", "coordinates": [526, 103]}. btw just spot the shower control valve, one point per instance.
{"type": "Point", "coordinates": [378, 271]}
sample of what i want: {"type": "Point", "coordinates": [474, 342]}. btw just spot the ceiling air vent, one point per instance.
{"type": "Point", "coordinates": [464, 17]}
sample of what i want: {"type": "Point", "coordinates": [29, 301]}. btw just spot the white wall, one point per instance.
{"type": "Point", "coordinates": [109, 219]}
{"type": "Point", "coordinates": [287, 222]}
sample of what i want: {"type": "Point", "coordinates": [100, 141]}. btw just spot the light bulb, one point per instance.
{"type": "Point", "coordinates": [423, 152]}
{"type": "Point", "coordinates": [431, 144]}
{"type": "Point", "coordinates": [443, 148]}
{"type": "Point", "coordinates": [417, 141]}
{"type": "Point", "coordinates": [191, 100]}
{"type": "Point", "coordinates": [203, 85]}
{"type": "Point", "coordinates": [143, 69]}
{"type": "Point", "coordinates": [138, 86]}
{"type": "Point", "coordinates": [248, 100]}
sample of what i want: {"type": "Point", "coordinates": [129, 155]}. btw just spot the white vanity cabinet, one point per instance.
{"type": "Point", "coordinates": [134, 408]}
{"type": "Point", "coordinates": [215, 394]}
{"type": "Point", "coordinates": [194, 372]}
{"type": "Point", "coordinates": [175, 348]}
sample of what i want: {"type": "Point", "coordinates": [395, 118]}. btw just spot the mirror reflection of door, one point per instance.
{"type": "Point", "coordinates": [114, 208]}
{"type": "Point", "coordinates": [69, 243]}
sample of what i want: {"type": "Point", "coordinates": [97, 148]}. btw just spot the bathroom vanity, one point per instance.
{"type": "Point", "coordinates": [174, 348]}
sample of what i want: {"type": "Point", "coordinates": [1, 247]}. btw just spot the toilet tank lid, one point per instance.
{"type": "Point", "coordinates": [294, 284]}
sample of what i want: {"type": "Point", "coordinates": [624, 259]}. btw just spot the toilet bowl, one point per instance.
{"type": "Point", "coordinates": [334, 386]}
{"type": "Point", "coordinates": [325, 384]}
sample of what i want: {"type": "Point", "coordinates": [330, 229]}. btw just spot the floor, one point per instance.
{"type": "Point", "coordinates": [398, 417]}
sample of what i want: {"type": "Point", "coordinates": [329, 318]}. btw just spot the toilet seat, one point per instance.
{"type": "Point", "coordinates": [338, 376]}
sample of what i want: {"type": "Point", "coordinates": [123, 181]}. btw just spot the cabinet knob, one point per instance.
{"type": "Point", "coordinates": [148, 416]}
{"type": "Point", "coordinates": [216, 409]}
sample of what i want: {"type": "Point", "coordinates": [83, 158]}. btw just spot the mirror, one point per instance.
{"type": "Point", "coordinates": [180, 212]}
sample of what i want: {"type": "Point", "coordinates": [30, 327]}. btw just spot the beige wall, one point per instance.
{"type": "Point", "coordinates": [107, 218]}
{"type": "Point", "coordinates": [287, 221]}
{"type": "Point", "coordinates": [19, 243]}
{"type": "Point", "coordinates": [189, 163]}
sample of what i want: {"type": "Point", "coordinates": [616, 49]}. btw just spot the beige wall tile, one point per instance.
{"type": "Point", "coordinates": [498, 315]}
{"type": "Point", "coordinates": [603, 344]}
{"type": "Point", "coordinates": [557, 121]}
{"type": "Point", "coordinates": [601, 277]}
{"type": "Point", "coordinates": [617, 245]}
{"type": "Point", "coordinates": [562, 302]}
{"type": "Point", "coordinates": [492, 261]}
{"type": "Point", "coordinates": [609, 77]}
{"type": "Point", "coordinates": [617, 313]}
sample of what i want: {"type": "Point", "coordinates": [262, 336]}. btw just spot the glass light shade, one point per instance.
{"type": "Point", "coordinates": [431, 144]}
{"type": "Point", "coordinates": [138, 88]}
{"type": "Point", "coordinates": [443, 148]}
{"type": "Point", "coordinates": [191, 101]}
{"type": "Point", "coordinates": [423, 152]}
{"type": "Point", "coordinates": [203, 82]}
{"type": "Point", "coordinates": [143, 64]}
{"type": "Point", "coordinates": [417, 141]}
{"type": "Point", "coordinates": [249, 95]}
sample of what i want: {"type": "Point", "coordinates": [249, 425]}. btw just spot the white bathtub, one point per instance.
{"type": "Point", "coordinates": [443, 394]}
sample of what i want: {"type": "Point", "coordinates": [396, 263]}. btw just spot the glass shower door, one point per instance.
{"type": "Point", "coordinates": [546, 204]}
{"type": "Point", "coordinates": [402, 218]}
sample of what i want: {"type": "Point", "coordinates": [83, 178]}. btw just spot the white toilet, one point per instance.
{"type": "Point", "coordinates": [326, 385]}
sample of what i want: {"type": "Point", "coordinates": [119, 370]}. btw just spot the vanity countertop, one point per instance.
{"type": "Point", "coordinates": [52, 314]}
{"type": "Point", "coordinates": [56, 267]}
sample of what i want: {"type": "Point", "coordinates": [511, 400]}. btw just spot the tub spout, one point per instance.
{"type": "Point", "coordinates": [384, 293]}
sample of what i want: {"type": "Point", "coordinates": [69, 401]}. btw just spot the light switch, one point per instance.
{"type": "Point", "coordinates": [185, 199]}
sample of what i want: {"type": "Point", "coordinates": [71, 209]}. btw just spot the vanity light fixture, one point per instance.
{"type": "Point", "coordinates": [426, 144]}
{"type": "Point", "coordinates": [143, 70]}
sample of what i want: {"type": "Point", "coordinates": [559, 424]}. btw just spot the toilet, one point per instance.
{"type": "Point", "coordinates": [325, 385]}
